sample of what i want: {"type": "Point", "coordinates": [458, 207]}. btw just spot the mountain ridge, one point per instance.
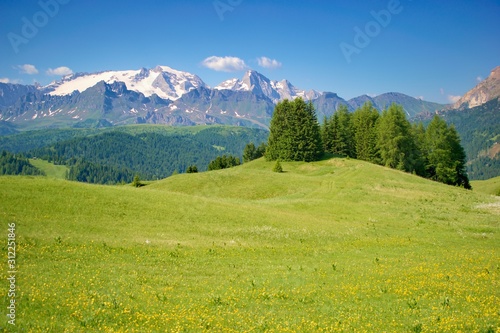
{"type": "Point", "coordinates": [162, 95]}
{"type": "Point", "coordinates": [484, 92]}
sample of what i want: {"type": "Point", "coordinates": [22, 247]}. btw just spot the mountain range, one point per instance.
{"type": "Point", "coordinates": [163, 95]}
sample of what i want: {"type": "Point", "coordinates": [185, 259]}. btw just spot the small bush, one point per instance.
{"type": "Point", "coordinates": [192, 169]}
{"type": "Point", "coordinates": [277, 167]}
{"type": "Point", "coordinates": [137, 182]}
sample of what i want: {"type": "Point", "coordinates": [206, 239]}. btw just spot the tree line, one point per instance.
{"type": "Point", "coordinates": [17, 164]}
{"type": "Point", "coordinates": [388, 139]}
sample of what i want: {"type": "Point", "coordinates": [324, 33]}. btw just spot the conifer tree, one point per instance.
{"type": "Point", "coordinates": [364, 122]}
{"type": "Point", "coordinates": [395, 141]}
{"type": "Point", "coordinates": [249, 152]}
{"type": "Point", "coordinates": [445, 156]}
{"type": "Point", "coordinates": [345, 144]}
{"type": "Point", "coordinates": [294, 133]}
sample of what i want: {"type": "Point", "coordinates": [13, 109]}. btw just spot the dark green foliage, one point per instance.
{"type": "Point", "coordinates": [87, 172]}
{"type": "Point", "coordinates": [25, 141]}
{"type": "Point", "coordinates": [223, 162]}
{"type": "Point", "coordinates": [365, 132]}
{"type": "Point", "coordinates": [337, 133]}
{"type": "Point", "coordinates": [445, 156]}
{"type": "Point", "coordinates": [137, 181]}
{"type": "Point", "coordinates": [395, 141]}
{"type": "Point", "coordinates": [294, 133]}
{"type": "Point", "coordinates": [192, 169]}
{"type": "Point", "coordinates": [390, 140]}
{"type": "Point", "coordinates": [479, 129]}
{"type": "Point", "coordinates": [150, 151]}
{"type": "Point", "coordinates": [251, 152]}
{"type": "Point", "coordinates": [277, 167]}
{"type": "Point", "coordinates": [484, 167]}
{"type": "Point", "coordinates": [11, 164]}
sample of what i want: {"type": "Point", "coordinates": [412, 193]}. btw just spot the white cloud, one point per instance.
{"type": "Point", "coordinates": [27, 69]}
{"type": "Point", "coordinates": [268, 63]}
{"type": "Point", "coordinates": [225, 64]}
{"type": "Point", "coordinates": [441, 91]}
{"type": "Point", "coordinates": [479, 79]}
{"type": "Point", "coordinates": [59, 71]}
{"type": "Point", "coordinates": [7, 80]}
{"type": "Point", "coordinates": [454, 99]}
{"type": "Point", "coordinates": [420, 97]}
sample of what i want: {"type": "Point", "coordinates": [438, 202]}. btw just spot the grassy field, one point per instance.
{"type": "Point", "coordinates": [490, 186]}
{"type": "Point", "coordinates": [332, 246]}
{"type": "Point", "coordinates": [50, 169]}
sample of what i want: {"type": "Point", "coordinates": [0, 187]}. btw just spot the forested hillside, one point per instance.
{"type": "Point", "coordinates": [12, 164]}
{"type": "Point", "coordinates": [115, 155]}
{"type": "Point", "coordinates": [479, 130]}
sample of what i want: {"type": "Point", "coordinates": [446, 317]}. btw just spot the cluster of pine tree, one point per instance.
{"type": "Point", "coordinates": [389, 139]}
{"type": "Point", "coordinates": [88, 172]}
{"type": "Point", "coordinates": [251, 152]}
{"type": "Point", "coordinates": [223, 162]}
{"type": "Point", "coordinates": [294, 133]}
{"type": "Point", "coordinates": [11, 164]}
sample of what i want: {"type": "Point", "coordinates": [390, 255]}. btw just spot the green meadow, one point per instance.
{"type": "Point", "coordinates": [333, 246]}
{"type": "Point", "coordinates": [51, 170]}
{"type": "Point", "coordinates": [490, 186]}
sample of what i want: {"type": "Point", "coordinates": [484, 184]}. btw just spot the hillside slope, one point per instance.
{"type": "Point", "coordinates": [337, 245]}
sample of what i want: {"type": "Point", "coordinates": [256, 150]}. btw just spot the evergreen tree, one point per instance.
{"type": "Point", "coordinates": [344, 143]}
{"type": "Point", "coordinates": [445, 156]}
{"type": "Point", "coordinates": [364, 122]}
{"type": "Point", "coordinates": [261, 150]}
{"type": "Point", "coordinates": [418, 132]}
{"type": "Point", "coordinates": [11, 164]}
{"type": "Point", "coordinates": [295, 134]}
{"type": "Point", "coordinates": [192, 169]}
{"type": "Point", "coordinates": [277, 167]}
{"type": "Point", "coordinates": [223, 162]}
{"type": "Point", "coordinates": [249, 152]}
{"type": "Point", "coordinates": [137, 181]}
{"type": "Point", "coordinates": [395, 141]}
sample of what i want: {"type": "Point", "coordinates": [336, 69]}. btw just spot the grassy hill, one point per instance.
{"type": "Point", "coordinates": [337, 245]}
{"type": "Point", "coordinates": [50, 169]}
{"type": "Point", "coordinates": [490, 186]}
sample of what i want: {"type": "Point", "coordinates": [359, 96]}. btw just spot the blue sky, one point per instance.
{"type": "Point", "coordinates": [432, 49]}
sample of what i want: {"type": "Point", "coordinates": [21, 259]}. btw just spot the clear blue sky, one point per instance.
{"type": "Point", "coordinates": [430, 49]}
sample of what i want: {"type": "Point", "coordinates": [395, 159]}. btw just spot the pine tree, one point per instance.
{"type": "Point", "coordinates": [345, 144]}
{"type": "Point", "coordinates": [192, 169]}
{"type": "Point", "coordinates": [137, 181]}
{"type": "Point", "coordinates": [295, 134]}
{"type": "Point", "coordinates": [395, 141]}
{"type": "Point", "coordinates": [364, 122]}
{"type": "Point", "coordinates": [249, 152]}
{"type": "Point", "coordinates": [279, 145]}
{"type": "Point", "coordinates": [277, 167]}
{"type": "Point", "coordinates": [445, 156]}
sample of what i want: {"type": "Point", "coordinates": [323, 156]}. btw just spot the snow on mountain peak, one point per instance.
{"type": "Point", "coordinates": [163, 81]}
{"type": "Point", "coordinates": [259, 84]}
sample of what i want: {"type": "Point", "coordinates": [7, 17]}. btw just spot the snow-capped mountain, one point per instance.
{"type": "Point", "coordinates": [163, 95]}
{"type": "Point", "coordinates": [276, 91]}
{"type": "Point", "coordinates": [163, 81]}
